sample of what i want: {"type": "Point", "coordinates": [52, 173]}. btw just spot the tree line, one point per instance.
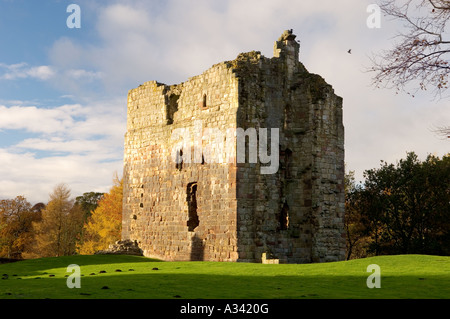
{"type": "Point", "coordinates": [400, 209]}
{"type": "Point", "coordinates": [64, 226]}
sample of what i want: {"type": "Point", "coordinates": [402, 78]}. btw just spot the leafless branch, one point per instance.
{"type": "Point", "coordinates": [442, 131]}
{"type": "Point", "coordinates": [422, 56]}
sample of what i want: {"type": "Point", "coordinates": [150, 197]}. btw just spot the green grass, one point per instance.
{"type": "Point", "coordinates": [404, 276]}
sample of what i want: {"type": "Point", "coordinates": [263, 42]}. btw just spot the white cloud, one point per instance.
{"type": "Point", "coordinates": [80, 74]}
{"type": "Point", "coordinates": [80, 145]}
{"type": "Point", "coordinates": [39, 120]}
{"type": "Point", "coordinates": [65, 53]}
{"type": "Point", "coordinates": [169, 42]}
{"type": "Point", "coordinates": [33, 177]}
{"type": "Point", "coordinates": [60, 145]}
{"type": "Point", "coordinates": [23, 71]}
{"type": "Point", "coordinates": [66, 78]}
{"type": "Point", "coordinates": [42, 72]}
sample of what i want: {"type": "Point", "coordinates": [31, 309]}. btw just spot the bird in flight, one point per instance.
{"type": "Point", "coordinates": [349, 51]}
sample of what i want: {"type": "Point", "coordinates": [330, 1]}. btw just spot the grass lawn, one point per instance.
{"type": "Point", "coordinates": [132, 277]}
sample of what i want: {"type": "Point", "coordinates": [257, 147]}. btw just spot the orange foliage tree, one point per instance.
{"type": "Point", "coordinates": [57, 231]}
{"type": "Point", "coordinates": [16, 217]}
{"type": "Point", "coordinates": [104, 226]}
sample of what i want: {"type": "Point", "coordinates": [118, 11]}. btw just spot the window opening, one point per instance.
{"type": "Point", "coordinates": [191, 198]}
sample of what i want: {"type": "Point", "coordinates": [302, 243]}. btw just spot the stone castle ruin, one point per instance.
{"type": "Point", "coordinates": [244, 162]}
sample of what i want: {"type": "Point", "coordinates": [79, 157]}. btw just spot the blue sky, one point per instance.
{"type": "Point", "coordinates": [63, 91]}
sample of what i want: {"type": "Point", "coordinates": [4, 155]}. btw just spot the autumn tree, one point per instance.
{"type": "Point", "coordinates": [16, 218]}
{"type": "Point", "coordinates": [104, 225]}
{"type": "Point", "coordinates": [56, 233]}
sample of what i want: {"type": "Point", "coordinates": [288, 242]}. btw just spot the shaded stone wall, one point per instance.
{"type": "Point", "coordinates": [296, 214]}
{"type": "Point", "coordinates": [231, 211]}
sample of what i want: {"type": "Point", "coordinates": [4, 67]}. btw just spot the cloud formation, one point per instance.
{"type": "Point", "coordinates": [80, 145]}
{"type": "Point", "coordinates": [133, 41]}
{"type": "Point", "coordinates": [23, 71]}
{"type": "Point", "coordinates": [39, 120]}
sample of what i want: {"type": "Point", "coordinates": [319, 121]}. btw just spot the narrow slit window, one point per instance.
{"type": "Point", "coordinates": [179, 160]}
{"type": "Point", "coordinates": [288, 163]}
{"type": "Point", "coordinates": [191, 198]}
{"type": "Point", "coordinates": [284, 217]}
{"type": "Point", "coordinates": [204, 105]}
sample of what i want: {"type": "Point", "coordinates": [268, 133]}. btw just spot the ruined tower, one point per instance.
{"type": "Point", "coordinates": [194, 188]}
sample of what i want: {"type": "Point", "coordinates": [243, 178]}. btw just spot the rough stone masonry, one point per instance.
{"type": "Point", "coordinates": [181, 205]}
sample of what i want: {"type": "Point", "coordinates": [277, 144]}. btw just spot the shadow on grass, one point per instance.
{"type": "Point", "coordinates": [160, 285]}
{"type": "Point", "coordinates": [32, 267]}
{"type": "Point", "coordinates": [8, 260]}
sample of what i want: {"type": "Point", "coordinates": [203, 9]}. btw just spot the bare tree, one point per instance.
{"type": "Point", "coordinates": [422, 54]}
{"type": "Point", "coordinates": [442, 131]}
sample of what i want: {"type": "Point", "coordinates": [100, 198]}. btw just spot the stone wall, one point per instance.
{"type": "Point", "coordinates": [180, 204]}
{"type": "Point", "coordinates": [160, 195]}
{"type": "Point", "coordinates": [296, 214]}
